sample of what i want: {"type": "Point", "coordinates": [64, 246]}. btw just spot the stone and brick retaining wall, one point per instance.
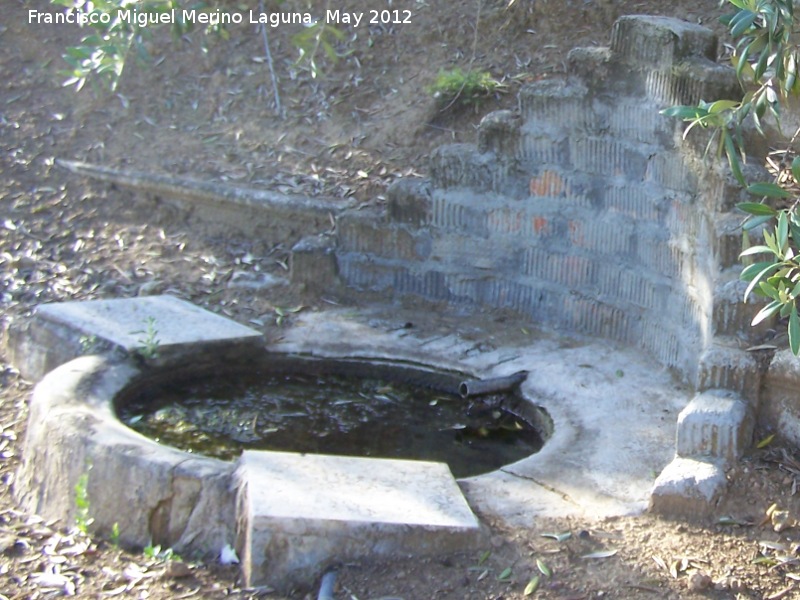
{"type": "Point", "coordinates": [584, 210]}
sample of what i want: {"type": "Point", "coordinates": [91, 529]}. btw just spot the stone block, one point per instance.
{"type": "Point", "coordinates": [591, 65]}
{"type": "Point", "coordinates": [651, 42]}
{"type": "Point", "coordinates": [632, 200]}
{"type": "Point", "coordinates": [554, 107]}
{"type": "Point", "coordinates": [498, 132]}
{"type": "Point", "coordinates": [461, 165]}
{"type": "Point", "coordinates": [366, 273]}
{"type": "Point", "coordinates": [732, 315]}
{"type": "Point", "coordinates": [610, 157]}
{"type": "Point", "coordinates": [688, 488]}
{"type": "Point", "coordinates": [543, 150]}
{"type": "Point", "coordinates": [602, 235]}
{"type": "Point", "coordinates": [428, 284]}
{"type": "Point", "coordinates": [347, 508]}
{"type": "Point", "coordinates": [464, 212]}
{"type": "Point", "coordinates": [571, 270]}
{"type": "Point", "coordinates": [731, 368]}
{"type": "Point", "coordinates": [779, 407]}
{"type": "Point", "coordinates": [59, 332]}
{"type": "Point", "coordinates": [697, 78]}
{"type": "Point", "coordinates": [587, 315]}
{"type": "Point", "coordinates": [664, 342]}
{"type": "Point", "coordinates": [409, 201]}
{"type": "Point", "coordinates": [728, 240]}
{"type": "Point", "coordinates": [716, 424]}
{"type": "Point", "coordinates": [635, 287]}
{"type": "Point", "coordinates": [494, 254]}
{"type": "Point", "coordinates": [365, 233]}
{"type": "Point", "coordinates": [313, 263]}
{"type": "Point", "coordinates": [636, 120]}
{"type": "Point", "coordinates": [672, 171]}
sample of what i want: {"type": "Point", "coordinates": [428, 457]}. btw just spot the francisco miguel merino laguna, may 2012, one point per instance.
{"type": "Point", "coordinates": [215, 17]}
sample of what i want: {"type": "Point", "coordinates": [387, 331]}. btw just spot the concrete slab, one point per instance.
{"type": "Point", "coordinates": [59, 332]}
{"type": "Point", "coordinates": [297, 514]}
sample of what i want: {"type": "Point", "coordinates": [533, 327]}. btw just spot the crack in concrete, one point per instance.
{"type": "Point", "coordinates": [564, 496]}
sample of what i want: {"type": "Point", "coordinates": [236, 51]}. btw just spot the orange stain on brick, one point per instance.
{"type": "Point", "coordinates": [575, 232]}
{"type": "Point", "coordinates": [549, 183]}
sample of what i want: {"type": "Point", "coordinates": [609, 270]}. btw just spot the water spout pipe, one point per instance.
{"type": "Point", "coordinates": [326, 585]}
{"type": "Point", "coordinates": [495, 385]}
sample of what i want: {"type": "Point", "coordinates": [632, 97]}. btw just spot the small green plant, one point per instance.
{"type": "Point", "coordinates": [455, 87]}
{"type": "Point", "coordinates": [116, 28]}
{"type": "Point", "coordinates": [312, 39]}
{"type": "Point", "coordinates": [149, 341]}
{"type": "Point", "coordinates": [82, 505]}
{"type": "Point", "coordinates": [119, 29]}
{"type": "Point", "coordinates": [157, 553]}
{"type": "Point", "coordinates": [89, 343]}
{"type": "Point", "coordinates": [114, 539]}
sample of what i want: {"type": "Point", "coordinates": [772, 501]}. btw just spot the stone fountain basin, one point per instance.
{"type": "Point", "coordinates": [613, 423]}
{"type": "Point", "coordinates": [288, 515]}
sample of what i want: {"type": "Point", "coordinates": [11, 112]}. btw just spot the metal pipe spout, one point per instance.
{"type": "Point", "coordinates": [495, 385]}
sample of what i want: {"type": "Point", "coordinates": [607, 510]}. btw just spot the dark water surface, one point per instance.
{"type": "Point", "coordinates": [331, 414]}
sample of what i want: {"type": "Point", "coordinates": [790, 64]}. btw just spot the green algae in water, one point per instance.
{"type": "Point", "coordinates": [329, 414]}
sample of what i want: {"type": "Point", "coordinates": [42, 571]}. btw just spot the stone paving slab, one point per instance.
{"type": "Point", "coordinates": [297, 513]}
{"type": "Point", "coordinates": [123, 321]}
{"type": "Point", "coordinates": [59, 332]}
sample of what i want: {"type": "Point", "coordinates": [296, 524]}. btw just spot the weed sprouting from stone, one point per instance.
{"type": "Point", "coordinates": [149, 342]}
{"type": "Point", "coordinates": [83, 520]}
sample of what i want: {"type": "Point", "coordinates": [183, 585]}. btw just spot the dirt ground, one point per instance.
{"type": "Point", "coordinates": [363, 122]}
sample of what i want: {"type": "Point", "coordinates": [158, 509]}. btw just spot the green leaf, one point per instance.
{"type": "Point", "coordinates": [756, 208]}
{"type": "Point", "coordinates": [733, 158]}
{"type": "Point", "coordinates": [505, 574]}
{"type": "Point", "coordinates": [771, 243]}
{"type": "Point", "coordinates": [532, 586]}
{"type": "Point", "coordinates": [755, 250]}
{"type": "Point", "coordinates": [754, 270]}
{"type": "Point", "coordinates": [543, 568]}
{"type": "Point", "coordinates": [769, 290]}
{"type": "Point", "coordinates": [794, 331]}
{"type": "Point", "coordinates": [771, 190]}
{"type": "Point", "coordinates": [791, 74]}
{"type": "Point", "coordinates": [763, 444]}
{"type": "Point", "coordinates": [559, 537]}
{"type": "Point", "coordinates": [758, 277]}
{"type": "Point", "coordinates": [722, 105]}
{"type": "Point", "coordinates": [742, 22]}
{"type": "Point", "coordinates": [761, 65]}
{"type": "Point", "coordinates": [766, 312]}
{"type": "Point", "coordinates": [754, 222]}
{"type": "Point", "coordinates": [686, 113]}
{"type": "Point", "coordinates": [782, 234]}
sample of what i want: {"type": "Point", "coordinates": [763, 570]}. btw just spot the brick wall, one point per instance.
{"type": "Point", "coordinates": [584, 210]}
